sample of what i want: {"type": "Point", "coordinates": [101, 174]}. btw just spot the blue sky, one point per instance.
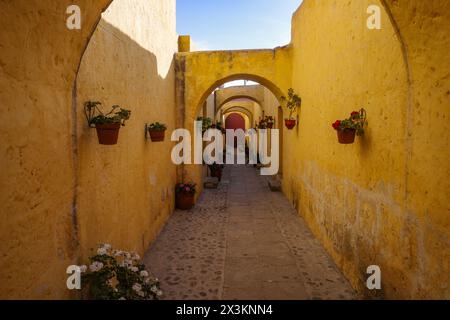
{"type": "Point", "coordinates": [236, 24]}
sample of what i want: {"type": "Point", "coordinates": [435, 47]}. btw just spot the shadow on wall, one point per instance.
{"type": "Point", "coordinates": [125, 192]}
{"type": "Point", "coordinates": [38, 62]}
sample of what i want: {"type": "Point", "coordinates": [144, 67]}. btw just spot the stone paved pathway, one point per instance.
{"type": "Point", "coordinates": [243, 242]}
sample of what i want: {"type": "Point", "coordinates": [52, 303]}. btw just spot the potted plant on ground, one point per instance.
{"type": "Point", "coordinates": [185, 195]}
{"type": "Point", "coordinates": [118, 275]}
{"type": "Point", "coordinates": [270, 122]}
{"type": "Point", "coordinates": [262, 124]}
{"type": "Point", "coordinates": [157, 131]}
{"type": "Point", "coordinates": [293, 101]}
{"type": "Point", "coordinates": [107, 124]}
{"type": "Point", "coordinates": [347, 129]}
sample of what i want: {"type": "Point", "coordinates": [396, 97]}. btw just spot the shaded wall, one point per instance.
{"type": "Point", "coordinates": [39, 58]}
{"type": "Point", "coordinates": [384, 200]}
{"type": "Point", "coordinates": [55, 167]}
{"type": "Point", "coordinates": [126, 192]}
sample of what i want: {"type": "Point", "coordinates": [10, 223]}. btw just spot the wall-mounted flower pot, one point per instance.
{"type": "Point", "coordinates": [185, 201]}
{"type": "Point", "coordinates": [290, 123]}
{"type": "Point", "coordinates": [108, 134]}
{"type": "Point", "coordinates": [157, 135]}
{"type": "Point", "coordinates": [346, 136]}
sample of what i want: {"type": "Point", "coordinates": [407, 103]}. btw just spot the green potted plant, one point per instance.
{"type": "Point", "coordinates": [157, 131]}
{"type": "Point", "coordinates": [118, 275]}
{"type": "Point", "coordinates": [349, 128]}
{"type": "Point", "coordinates": [219, 126]}
{"type": "Point", "coordinates": [185, 195]}
{"type": "Point", "coordinates": [270, 122]}
{"type": "Point", "coordinates": [206, 123]}
{"type": "Point", "coordinates": [262, 124]}
{"type": "Point", "coordinates": [293, 101]}
{"type": "Point", "coordinates": [107, 124]}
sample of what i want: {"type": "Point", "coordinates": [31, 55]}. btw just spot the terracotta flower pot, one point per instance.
{"type": "Point", "coordinates": [108, 134]}
{"type": "Point", "coordinates": [346, 136]}
{"type": "Point", "coordinates": [157, 136]}
{"type": "Point", "coordinates": [185, 201]}
{"type": "Point", "coordinates": [290, 124]}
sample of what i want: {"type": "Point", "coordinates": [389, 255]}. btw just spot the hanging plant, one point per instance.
{"type": "Point", "coordinates": [292, 102]}
{"type": "Point", "coordinates": [157, 131]}
{"type": "Point", "coordinates": [107, 124]}
{"type": "Point", "coordinates": [349, 128]}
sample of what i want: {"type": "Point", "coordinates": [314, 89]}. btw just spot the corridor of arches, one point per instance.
{"type": "Point", "coordinates": [308, 232]}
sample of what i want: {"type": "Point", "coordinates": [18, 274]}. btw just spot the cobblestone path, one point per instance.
{"type": "Point", "coordinates": [243, 242]}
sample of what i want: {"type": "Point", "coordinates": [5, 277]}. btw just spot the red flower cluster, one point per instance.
{"type": "Point", "coordinates": [355, 114]}
{"type": "Point", "coordinates": [337, 125]}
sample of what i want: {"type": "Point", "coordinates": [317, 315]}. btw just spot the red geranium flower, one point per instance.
{"type": "Point", "coordinates": [355, 113]}
{"type": "Point", "coordinates": [337, 125]}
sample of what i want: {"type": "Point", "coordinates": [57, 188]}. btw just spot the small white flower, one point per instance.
{"type": "Point", "coordinates": [134, 269]}
{"type": "Point", "coordinates": [154, 289]}
{"type": "Point", "coordinates": [135, 256]}
{"type": "Point", "coordinates": [160, 293]}
{"type": "Point", "coordinates": [102, 251]}
{"type": "Point", "coordinates": [107, 246]}
{"type": "Point", "coordinates": [118, 253]}
{"type": "Point", "coordinates": [141, 293]}
{"type": "Point", "coordinates": [144, 274]}
{"type": "Point", "coordinates": [83, 268]}
{"type": "Point", "coordinates": [122, 299]}
{"type": "Point", "coordinates": [96, 266]}
{"type": "Point", "coordinates": [137, 287]}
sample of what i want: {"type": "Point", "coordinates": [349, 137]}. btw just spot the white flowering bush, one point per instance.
{"type": "Point", "coordinates": [118, 275]}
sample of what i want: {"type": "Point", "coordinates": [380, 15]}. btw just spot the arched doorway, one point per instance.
{"type": "Point", "coordinates": [235, 122]}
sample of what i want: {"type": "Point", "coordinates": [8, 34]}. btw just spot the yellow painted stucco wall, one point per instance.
{"type": "Point", "coordinates": [39, 58]}
{"type": "Point", "coordinates": [126, 192]}
{"type": "Point", "coordinates": [251, 108]}
{"type": "Point", "coordinates": [54, 165]}
{"type": "Point", "coordinates": [253, 92]}
{"type": "Point", "coordinates": [384, 200]}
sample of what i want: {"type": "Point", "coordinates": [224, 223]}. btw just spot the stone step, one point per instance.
{"type": "Point", "coordinates": [274, 184]}
{"type": "Point", "coordinates": [211, 183]}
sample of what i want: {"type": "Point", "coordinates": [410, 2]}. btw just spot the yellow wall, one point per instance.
{"type": "Point", "coordinates": [125, 192]}
{"type": "Point", "coordinates": [51, 177]}
{"type": "Point", "coordinates": [38, 64]}
{"type": "Point", "coordinates": [384, 200]}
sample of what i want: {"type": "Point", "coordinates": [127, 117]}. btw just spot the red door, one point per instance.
{"type": "Point", "coordinates": [234, 122]}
